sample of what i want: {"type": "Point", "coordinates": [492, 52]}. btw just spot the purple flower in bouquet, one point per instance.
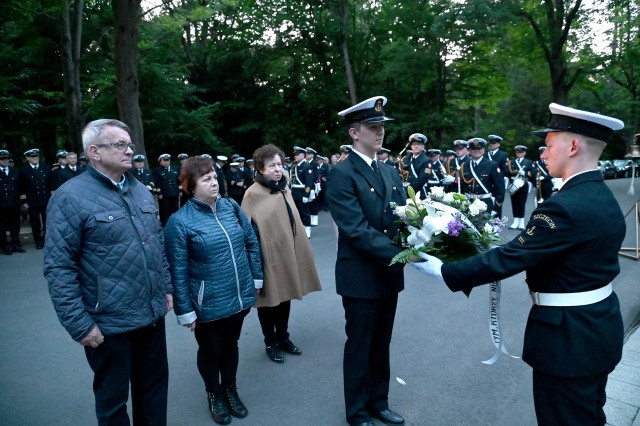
{"type": "Point", "coordinates": [455, 226]}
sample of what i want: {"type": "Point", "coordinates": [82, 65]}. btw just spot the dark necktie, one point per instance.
{"type": "Point", "coordinates": [374, 166]}
{"type": "Point", "coordinates": [475, 164]}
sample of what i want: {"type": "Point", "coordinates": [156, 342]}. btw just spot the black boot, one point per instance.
{"type": "Point", "coordinates": [236, 407]}
{"type": "Point", "coordinates": [218, 407]}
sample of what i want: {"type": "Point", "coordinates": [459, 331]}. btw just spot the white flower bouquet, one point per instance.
{"type": "Point", "coordinates": [445, 225]}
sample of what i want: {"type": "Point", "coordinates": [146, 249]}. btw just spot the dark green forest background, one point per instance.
{"type": "Point", "coordinates": [227, 76]}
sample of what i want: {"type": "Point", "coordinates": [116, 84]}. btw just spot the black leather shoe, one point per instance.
{"type": "Point", "coordinates": [39, 245]}
{"type": "Point", "coordinates": [289, 347]}
{"type": "Point", "coordinates": [218, 407]}
{"type": "Point", "coordinates": [236, 407]}
{"type": "Point", "coordinates": [389, 417]}
{"type": "Point", "coordinates": [274, 354]}
{"type": "Point", "coordinates": [18, 249]}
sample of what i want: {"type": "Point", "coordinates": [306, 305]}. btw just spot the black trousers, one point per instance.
{"type": "Point", "coordinates": [564, 401]}
{"type": "Point", "coordinates": [274, 321]}
{"type": "Point", "coordinates": [168, 206]}
{"type": "Point", "coordinates": [38, 221]}
{"type": "Point", "coordinates": [518, 201]}
{"type": "Point", "coordinates": [10, 221]}
{"type": "Point", "coordinates": [369, 324]}
{"type": "Point", "coordinates": [218, 350]}
{"type": "Point", "coordinates": [303, 210]}
{"type": "Point", "coordinates": [138, 357]}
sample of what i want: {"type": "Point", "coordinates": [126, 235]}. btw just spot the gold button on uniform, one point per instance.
{"type": "Point", "coordinates": [385, 231]}
{"type": "Point", "coordinates": [394, 188]}
{"type": "Point", "coordinates": [372, 190]}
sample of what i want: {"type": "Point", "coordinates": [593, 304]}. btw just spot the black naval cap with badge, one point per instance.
{"type": "Point", "coordinates": [61, 154]}
{"type": "Point", "coordinates": [138, 157]}
{"type": "Point", "coordinates": [4, 154]}
{"type": "Point", "coordinates": [417, 138]}
{"type": "Point", "coordinates": [494, 139]}
{"type": "Point", "coordinates": [384, 150]}
{"type": "Point", "coordinates": [460, 144]}
{"type": "Point", "coordinates": [183, 156]}
{"type": "Point", "coordinates": [311, 151]}
{"type": "Point", "coordinates": [164, 157]}
{"type": "Point", "coordinates": [346, 148]}
{"type": "Point", "coordinates": [35, 152]}
{"type": "Point", "coordinates": [590, 124]}
{"type": "Point", "coordinates": [450, 152]}
{"type": "Point", "coordinates": [299, 150]}
{"type": "Point", "coordinates": [520, 148]}
{"type": "Point", "coordinates": [368, 111]}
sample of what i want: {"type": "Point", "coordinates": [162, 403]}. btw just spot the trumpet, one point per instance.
{"type": "Point", "coordinates": [538, 200]}
{"type": "Point", "coordinates": [404, 174]}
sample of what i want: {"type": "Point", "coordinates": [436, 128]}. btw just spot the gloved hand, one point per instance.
{"type": "Point", "coordinates": [521, 173]}
{"type": "Point", "coordinates": [317, 186]}
{"type": "Point", "coordinates": [305, 200]}
{"type": "Point", "coordinates": [432, 266]}
{"type": "Point", "coordinates": [312, 195]}
{"type": "Point", "coordinates": [448, 180]}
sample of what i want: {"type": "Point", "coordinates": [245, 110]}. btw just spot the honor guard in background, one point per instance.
{"type": "Point", "coordinates": [72, 170]}
{"type": "Point", "coordinates": [360, 191]}
{"type": "Point", "coordinates": [519, 171]}
{"type": "Point", "coordinates": [453, 165]}
{"type": "Point", "coordinates": [221, 160]}
{"type": "Point", "coordinates": [301, 178]}
{"type": "Point", "coordinates": [544, 184]}
{"type": "Point", "coordinates": [383, 157]}
{"type": "Point", "coordinates": [481, 177]}
{"type": "Point", "coordinates": [440, 176]}
{"type": "Point", "coordinates": [448, 155]}
{"type": "Point", "coordinates": [418, 164]}
{"type": "Point", "coordinates": [495, 154]}
{"type": "Point", "coordinates": [167, 187]}
{"type": "Point", "coordinates": [235, 182]}
{"type": "Point", "coordinates": [139, 172]}
{"type": "Point", "coordinates": [287, 164]}
{"type": "Point", "coordinates": [55, 174]}
{"type": "Point", "coordinates": [9, 206]}
{"type": "Point", "coordinates": [323, 166]}
{"type": "Point", "coordinates": [313, 205]}
{"type": "Point", "coordinates": [83, 161]}
{"type": "Point", "coordinates": [574, 334]}
{"type": "Point", "coordinates": [35, 192]}
{"type": "Point", "coordinates": [249, 172]}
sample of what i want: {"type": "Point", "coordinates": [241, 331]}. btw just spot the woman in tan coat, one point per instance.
{"type": "Point", "coordinates": [287, 260]}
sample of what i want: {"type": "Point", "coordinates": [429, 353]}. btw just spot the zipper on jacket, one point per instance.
{"type": "Point", "coordinates": [201, 294]}
{"type": "Point", "coordinates": [233, 258]}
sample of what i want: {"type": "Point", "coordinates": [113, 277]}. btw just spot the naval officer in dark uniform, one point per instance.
{"type": "Point", "coordinates": [34, 181]}
{"type": "Point", "coordinates": [359, 193]}
{"type": "Point", "coordinates": [519, 171]}
{"type": "Point", "coordinates": [302, 186]}
{"type": "Point", "coordinates": [480, 176]}
{"type": "Point", "coordinates": [569, 251]}
{"type": "Point", "coordinates": [167, 187]}
{"type": "Point", "coordinates": [139, 172]}
{"type": "Point", "coordinates": [454, 164]}
{"type": "Point", "coordinates": [9, 206]}
{"type": "Point", "coordinates": [494, 153]}
{"type": "Point", "coordinates": [418, 164]}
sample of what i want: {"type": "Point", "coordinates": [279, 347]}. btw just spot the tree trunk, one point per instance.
{"type": "Point", "coordinates": [126, 15]}
{"type": "Point", "coordinates": [71, 43]}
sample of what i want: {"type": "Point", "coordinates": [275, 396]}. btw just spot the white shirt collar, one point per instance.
{"type": "Point", "coordinates": [572, 176]}
{"type": "Point", "coordinates": [367, 160]}
{"type": "Point", "coordinates": [478, 160]}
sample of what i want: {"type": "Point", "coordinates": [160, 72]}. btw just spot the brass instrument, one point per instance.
{"type": "Point", "coordinates": [538, 200]}
{"type": "Point", "coordinates": [404, 174]}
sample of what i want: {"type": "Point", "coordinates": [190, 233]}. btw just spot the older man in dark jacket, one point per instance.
{"type": "Point", "coordinates": [109, 279]}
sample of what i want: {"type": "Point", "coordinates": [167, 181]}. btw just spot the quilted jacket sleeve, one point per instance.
{"type": "Point", "coordinates": [176, 241]}
{"type": "Point", "coordinates": [63, 243]}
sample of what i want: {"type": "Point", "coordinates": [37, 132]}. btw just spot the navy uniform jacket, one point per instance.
{"type": "Point", "coordinates": [301, 180]}
{"type": "Point", "coordinates": [388, 162]}
{"type": "Point", "coordinates": [545, 177]}
{"type": "Point", "coordinates": [9, 190]}
{"type": "Point", "coordinates": [67, 174]}
{"type": "Point", "coordinates": [34, 184]}
{"type": "Point", "coordinates": [525, 164]}
{"type": "Point", "coordinates": [501, 158]}
{"type": "Point", "coordinates": [487, 172]}
{"type": "Point", "coordinates": [570, 245]}
{"type": "Point", "coordinates": [234, 177]}
{"type": "Point", "coordinates": [166, 181]}
{"type": "Point", "coordinates": [222, 185]}
{"type": "Point", "coordinates": [420, 170]}
{"type": "Point", "coordinates": [359, 204]}
{"type": "Point", "coordinates": [144, 176]}
{"type": "Point", "coordinates": [439, 170]}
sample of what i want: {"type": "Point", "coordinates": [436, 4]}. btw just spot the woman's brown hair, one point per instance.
{"type": "Point", "coordinates": [264, 154]}
{"type": "Point", "coordinates": [192, 170]}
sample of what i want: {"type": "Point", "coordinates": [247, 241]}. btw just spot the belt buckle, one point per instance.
{"type": "Point", "coordinates": [535, 297]}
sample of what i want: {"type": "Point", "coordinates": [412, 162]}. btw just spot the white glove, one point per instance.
{"type": "Point", "coordinates": [317, 187]}
{"type": "Point", "coordinates": [448, 180]}
{"type": "Point", "coordinates": [305, 200]}
{"type": "Point", "coordinates": [506, 183]}
{"type": "Point", "coordinates": [530, 187]}
{"type": "Point", "coordinates": [312, 195]}
{"type": "Point", "coordinates": [521, 173]}
{"type": "Point", "coordinates": [432, 266]}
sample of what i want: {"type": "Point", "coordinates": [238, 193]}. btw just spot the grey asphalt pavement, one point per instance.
{"type": "Point", "coordinates": [439, 342]}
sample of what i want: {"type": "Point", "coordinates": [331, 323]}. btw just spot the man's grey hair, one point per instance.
{"type": "Point", "coordinates": [92, 131]}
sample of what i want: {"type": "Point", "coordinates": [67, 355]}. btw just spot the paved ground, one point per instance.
{"type": "Point", "coordinates": [439, 340]}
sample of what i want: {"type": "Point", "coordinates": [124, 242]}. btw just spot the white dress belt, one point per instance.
{"type": "Point", "coordinates": [571, 299]}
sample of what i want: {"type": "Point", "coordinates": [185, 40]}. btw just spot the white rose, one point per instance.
{"type": "Point", "coordinates": [437, 191]}
{"type": "Point", "coordinates": [448, 197]}
{"type": "Point", "coordinates": [474, 210]}
{"type": "Point", "coordinates": [488, 229]}
{"type": "Point", "coordinates": [481, 205]}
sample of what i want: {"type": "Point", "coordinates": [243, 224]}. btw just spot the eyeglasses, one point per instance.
{"type": "Point", "coordinates": [120, 145]}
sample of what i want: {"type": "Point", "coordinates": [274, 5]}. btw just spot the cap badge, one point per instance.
{"type": "Point", "coordinates": [378, 106]}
